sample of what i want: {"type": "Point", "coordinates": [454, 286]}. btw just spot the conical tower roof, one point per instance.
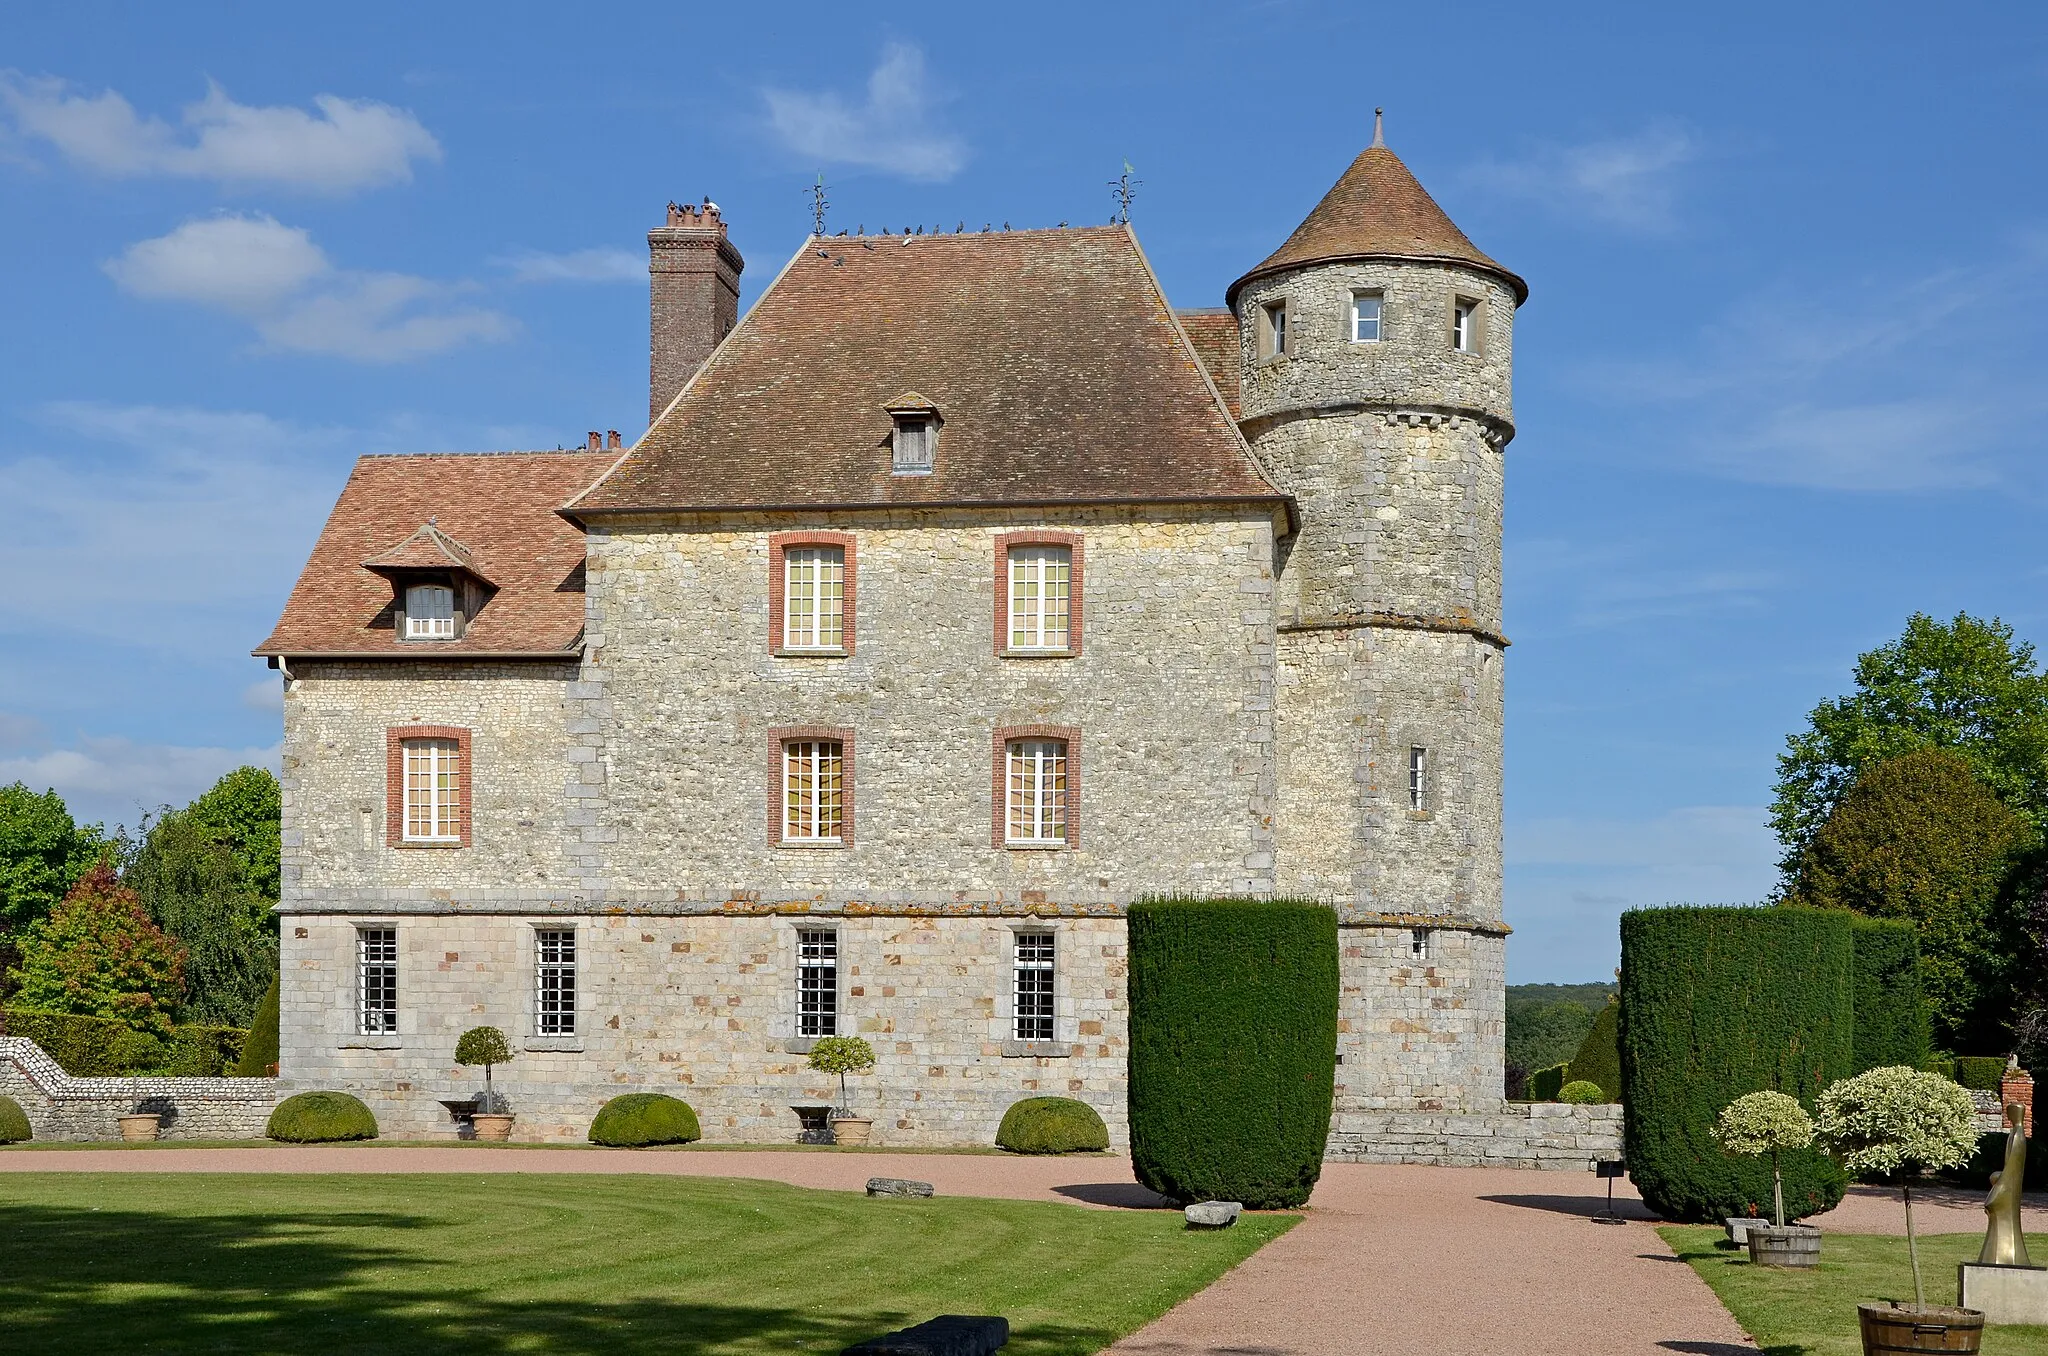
{"type": "Point", "coordinates": [1378, 210]}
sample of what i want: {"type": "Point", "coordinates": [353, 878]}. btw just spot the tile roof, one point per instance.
{"type": "Point", "coordinates": [499, 507]}
{"type": "Point", "coordinates": [1052, 356]}
{"type": "Point", "coordinates": [427, 549]}
{"type": "Point", "coordinates": [1377, 210]}
{"type": "Point", "coordinates": [1213, 332]}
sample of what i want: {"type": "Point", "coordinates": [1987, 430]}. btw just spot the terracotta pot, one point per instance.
{"type": "Point", "coordinates": [852, 1130]}
{"type": "Point", "coordinates": [495, 1128]}
{"type": "Point", "coordinates": [140, 1128]}
{"type": "Point", "coordinates": [1890, 1328]}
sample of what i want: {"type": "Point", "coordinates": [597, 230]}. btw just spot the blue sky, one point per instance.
{"type": "Point", "coordinates": [1778, 381]}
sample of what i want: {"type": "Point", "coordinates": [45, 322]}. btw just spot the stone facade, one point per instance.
{"type": "Point", "coordinates": [1539, 1135]}
{"type": "Point", "coordinates": [62, 1107]}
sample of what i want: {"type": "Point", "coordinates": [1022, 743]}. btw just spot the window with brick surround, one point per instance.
{"type": "Point", "coordinates": [1038, 593]}
{"type": "Point", "coordinates": [810, 787]}
{"type": "Point", "coordinates": [811, 578]}
{"type": "Point", "coordinates": [377, 981]}
{"type": "Point", "coordinates": [428, 777]}
{"type": "Point", "coordinates": [817, 983]}
{"type": "Point", "coordinates": [1031, 994]}
{"type": "Point", "coordinates": [1035, 787]}
{"type": "Point", "coordinates": [554, 981]}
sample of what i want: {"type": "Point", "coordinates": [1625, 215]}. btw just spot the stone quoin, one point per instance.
{"type": "Point", "coordinates": [549, 777]}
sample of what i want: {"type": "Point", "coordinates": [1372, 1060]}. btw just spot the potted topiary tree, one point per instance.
{"type": "Point", "coordinates": [1770, 1123]}
{"type": "Point", "coordinates": [486, 1045]}
{"type": "Point", "coordinates": [843, 1055]}
{"type": "Point", "coordinates": [1892, 1125]}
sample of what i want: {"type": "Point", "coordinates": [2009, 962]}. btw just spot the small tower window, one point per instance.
{"type": "Point", "coordinates": [430, 612]}
{"type": "Point", "coordinates": [1418, 944]}
{"type": "Point", "coordinates": [1273, 330]}
{"type": "Point", "coordinates": [1418, 777]}
{"type": "Point", "coordinates": [1365, 317]}
{"type": "Point", "coordinates": [1465, 325]}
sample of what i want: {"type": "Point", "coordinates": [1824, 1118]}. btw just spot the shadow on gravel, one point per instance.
{"type": "Point", "coordinates": [1725, 1349]}
{"type": "Point", "coordinates": [1584, 1206]}
{"type": "Point", "coordinates": [1123, 1195]}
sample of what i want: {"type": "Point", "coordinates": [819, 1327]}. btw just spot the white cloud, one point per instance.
{"type": "Point", "coordinates": [116, 780]}
{"type": "Point", "coordinates": [345, 144]}
{"type": "Point", "coordinates": [1629, 182]}
{"type": "Point", "coordinates": [896, 130]}
{"type": "Point", "coordinates": [275, 277]}
{"type": "Point", "coordinates": [593, 265]}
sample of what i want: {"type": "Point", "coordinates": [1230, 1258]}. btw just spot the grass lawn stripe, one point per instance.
{"type": "Point", "coordinates": [1792, 1312]}
{"type": "Point", "coordinates": [94, 1262]}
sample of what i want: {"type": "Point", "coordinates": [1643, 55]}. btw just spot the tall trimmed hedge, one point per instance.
{"type": "Point", "coordinates": [1233, 1047]}
{"type": "Point", "coordinates": [259, 1052]}
{"type": "Point", "coordinates": [1891, 1009]}
{"type": "Point", "coordinates": [1598, 1060]}
{"type": "Point", "coordinates": [1716, 1003]}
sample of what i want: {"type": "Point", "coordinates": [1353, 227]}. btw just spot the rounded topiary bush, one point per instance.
{"type": "Point", "coordinates": [1581, 1092]}
{"type": "Point", "coordinates": [1051, 1125]}
{"type": "Point", "coordinates": [321, 1118]}
{"type": "Point", "coordinates": [14, 1126]}
{"type": "Point", "coordinates": [639, 1119]}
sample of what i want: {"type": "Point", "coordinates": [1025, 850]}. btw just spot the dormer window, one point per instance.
{"type": "Point", "coordinates": [914, 444]}
{"type": "Point", "coordinates": [430, 612]}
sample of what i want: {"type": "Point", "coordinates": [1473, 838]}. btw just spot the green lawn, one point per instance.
{"type": "Point", "coordinates": [1813, 1313]}
{"type": "Point", "coordinates": [567, 1263]}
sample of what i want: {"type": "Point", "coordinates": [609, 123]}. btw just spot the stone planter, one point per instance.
{"type": "Point", "coordinates": [140, 1128]}
{"type": "Point", "coordinates": [1795, 1245]}
{"type": "Point", "coordinates": [851, 1129]}
{"type": "Point", "coordinates": [494, 1128]}
{"type": "Point", "coordinates": [1738, 1227]}
{"type": "Point", "coordinates": [1890, 1328]}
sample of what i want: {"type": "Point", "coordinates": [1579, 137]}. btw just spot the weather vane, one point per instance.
{"type": "Point", "coordinates": [1124, 188]}
{"type": "Point", "coordinates": [819, 202]}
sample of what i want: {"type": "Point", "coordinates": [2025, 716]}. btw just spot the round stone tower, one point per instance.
{"type": "Point", "coordinates": [1378, 352]}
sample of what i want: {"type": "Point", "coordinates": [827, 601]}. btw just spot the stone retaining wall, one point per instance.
{"type": "Point", "coordinates": [64, 1107]}
{"type": "Point", "coordinates": [1519, 1135]}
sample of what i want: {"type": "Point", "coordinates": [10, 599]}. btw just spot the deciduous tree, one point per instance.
{"type": "Point", "coordinates": [98, 954]}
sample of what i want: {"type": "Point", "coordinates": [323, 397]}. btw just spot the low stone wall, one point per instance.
{"type": "Point", "coordinates": [62, 1107]}
{"type": "Point", "coordinates": [1518, 1135]}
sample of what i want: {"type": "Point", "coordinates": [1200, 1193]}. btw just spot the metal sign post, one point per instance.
{"type": "Point", "coordinates": [1608, 1169]}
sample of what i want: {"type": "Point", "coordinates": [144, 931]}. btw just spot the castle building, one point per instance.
{"type": "Point", "coordinates": [961, 592]}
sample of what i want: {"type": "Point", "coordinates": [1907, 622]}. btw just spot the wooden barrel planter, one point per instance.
{"type": "Point", "coordinates": [1889, 1328]}
{"type": "Point", "coordinates": [1795, 1245]}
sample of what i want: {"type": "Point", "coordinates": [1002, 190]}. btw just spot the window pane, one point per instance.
{"type": "Point", "coordinates": [433, 789]}
{"type": "Point", "coordinates": [813, 789]}
{"type": "Point", "coordinates": [377, 980]}
{"type": "Point", "coordinates": [1032, 993]}
{"type": "Point", "coordinates": [1418, 778]}
{"type": "Point", "coordinates": [817, 984]}
{"type": "Point", "coordinates": [555, 983]}
{"type": "Point", "coordinates": [1037, 790]}
{"type": "Point", "coordinates": [430, 611]}
{"type": "Point", "coordinates": [1365, 319]}
{"type": "Point", "coordinates": [813, 581]}
{"type": "Point", "coordinates": [1039, 583]}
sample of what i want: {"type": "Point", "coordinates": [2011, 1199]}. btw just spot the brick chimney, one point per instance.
{"type": "Point", "coordinates": [695, 277]}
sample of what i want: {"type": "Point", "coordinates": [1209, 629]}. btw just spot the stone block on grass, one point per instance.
{"type": "Point", "coordinates": [1213, 1214]}
{"type": "Point", "coordinates": [897, 1186]}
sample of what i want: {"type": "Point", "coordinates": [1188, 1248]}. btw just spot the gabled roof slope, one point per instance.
{"type": "Point", "coordinates": [499, 507]}
{"type": "Point", "coordinates": [427, 549]}
{"type": "Point", "coordinates": [1054, 361]}
{"type": "Point", "coordinates": [1213, 332]}
{"type": "Point", "coordinates": [1377, 210]}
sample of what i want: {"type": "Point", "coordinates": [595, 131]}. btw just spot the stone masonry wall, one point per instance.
{"type": "Point", "coordinates": [1540, 1135]}
{"type": "Point", "coordinates": [1423, 1033]}
{"type": "Point", "coordinates": [62, 1107]}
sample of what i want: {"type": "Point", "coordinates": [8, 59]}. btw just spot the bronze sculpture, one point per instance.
{"type": "Point", "coordinates": [2004, 1243]}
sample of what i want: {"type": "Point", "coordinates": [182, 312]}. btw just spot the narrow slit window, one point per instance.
{"type": "Point", "coordinates": [377, 981]}
{"type": "Point", "coordinates": [817, 984]}
{"type": "Point", "coordinates": [1419, 944]}
{"type": "Point", "coordinates": [1032, 994]}
{"type": "Point", "coordinates": [1365, 317]}
{"type": "Point", "coordinates": [1418, 778]}
{"type": "Point", "coordinates": [813, 597]}
{"type": "Point", "coordinates": [1037, 781]}
{"type": "Point", "coordinates": [1040, 578]}
{"type": "Point", "coordinates": [433, 791]}
{"type": "Point", "coordinates": [814, 791]}
{"type": "Point", "coordinates": [554, 981]}
{"type": "Point", "coordinates": [430, 612]}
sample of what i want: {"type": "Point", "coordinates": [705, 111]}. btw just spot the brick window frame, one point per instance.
{"type": "Point", "coordinates": [395, 738]}
{"type": "Point", "coordinates": [1076, 546]}
{"type": "Point", "coordinates": [781, 542]}
{"type": "Point", "coordinates": [999, 783]}
{"type": "Point", "coordinates": [790, 734]}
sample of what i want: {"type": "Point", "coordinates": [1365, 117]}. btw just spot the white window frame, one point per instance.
{"type": "Point", "coordinates": [1036, 570]}
{"type": "Point", "coordinates": [434, 622]}
{"type": "Point", "coordinates": [1034, 985]}
{"type": "Point", "coordinates": [1273, 329]}
{"type": "Point", "coordinates": [1418, 777]}
{"type": "Point", "coordinates": [1464, 325]}
{"type": "Point", "coordinates": [554, 981]}
{"type": "Point", "coordinates": [805, 765]}
{"type": "Point", "coordinates": [817, 979]}
{"type": "Point", "coordinates": [439, 762]}
{"type": "Point", "coordinates": [1035, 782]}
{"type": "Point", "coordinates": [814, 598]}
{"type": "Point", "coordinates": [377, 980]}
{"type": "Point", "coordinates": [1378, 301]}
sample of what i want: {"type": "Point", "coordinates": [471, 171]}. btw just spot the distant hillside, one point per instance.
{"type": "Point", "coordinates": [1546, 1022]}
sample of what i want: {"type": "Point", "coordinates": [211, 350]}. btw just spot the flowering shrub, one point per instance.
{"type": "Point", "coordinates": [1895, 1121]}
{"type": "Point", "coordinates": [1763, 1123]}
